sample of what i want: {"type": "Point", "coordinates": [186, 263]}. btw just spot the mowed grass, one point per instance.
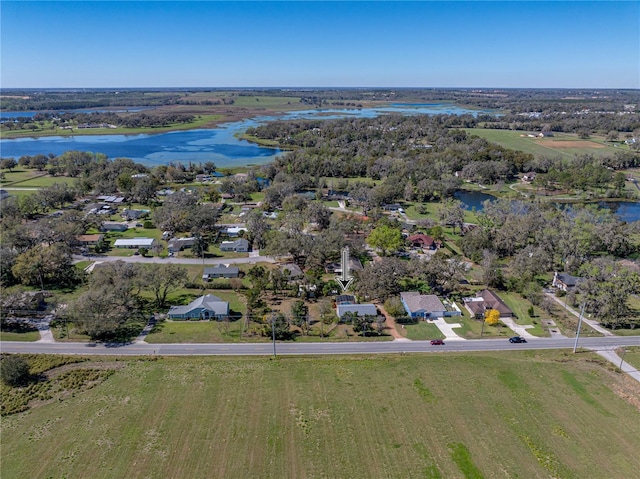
{"type": "Point", "coordinates": [517, 414]}
{"type": "Point", "coordinates": [536, 146]}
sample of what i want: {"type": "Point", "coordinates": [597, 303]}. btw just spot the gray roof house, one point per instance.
{"type": "Point", "coordinates": [422, 305]}
{"type": "Point", "coordinates": [204, 307]}
{"type": "Point", "coordinates": [294, 270]}
{"type": "Point", "coordinates": [565, 281]}
{"type": "Point", "coordinates": [114, 226]}
{"type": "Point", "coordinates": [220, 271]}
{"type": "Point", "coordinates": [178, 244]}
{"type": "Point", "coordinates": [239, 246]}
{"type": "Point", "coordinates": [357, 309]}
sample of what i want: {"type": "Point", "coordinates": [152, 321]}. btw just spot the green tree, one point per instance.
{"type": "Point", "coordinates": [162, 279]}
{"type": "Point", "coordinates": [386, 239]}
{"type": "Point", "coordinates": [14, 370]}
{"type": "Point", "coordinates": [277, 325]}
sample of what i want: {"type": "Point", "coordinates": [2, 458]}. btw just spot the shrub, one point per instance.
{"type": "Point", "coordinates": [147, 225]}
{"type": "Point", "coordinates": [14, 370]}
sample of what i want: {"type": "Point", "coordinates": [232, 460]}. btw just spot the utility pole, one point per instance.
{"type": "Point", "coordinates": [575, 346]}
{"type": "Point", "coordinates": [273, 333]}
{"type": "Point", "coordinates": [622, 358]}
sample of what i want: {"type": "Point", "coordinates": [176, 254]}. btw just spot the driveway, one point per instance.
{"type": "Point", "coordinates": [517, 328]}
{"type": "Point", "coordinates": [447, 329]}
{"type": "Point", "coordinates": [594, 324]}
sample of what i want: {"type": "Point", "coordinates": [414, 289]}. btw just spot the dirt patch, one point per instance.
{"type": "Point", "coordinates": [629, 390]}
{"type": "Point", "coordinates": [570, 144]}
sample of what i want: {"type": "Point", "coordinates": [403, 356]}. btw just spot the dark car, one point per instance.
{"type": "Point", "coordinates": [517, 339]}
{"type": "Point", "coordinates": [437, 342]}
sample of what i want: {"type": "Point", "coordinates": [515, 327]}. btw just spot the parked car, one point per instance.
{"type": "Point", "coordinates": [517, 339]}
{"type": "Point", "coordinates": [437, 342]}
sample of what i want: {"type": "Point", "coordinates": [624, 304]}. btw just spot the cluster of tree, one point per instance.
{"type": "Point", "coordinates": [423, 151]}
{"type": "Point", "coordinates": [113, 297]}
{"type": "Point", "coordinates": [59, 100]}
{"type": "Point", "coordinates": [77, 119]}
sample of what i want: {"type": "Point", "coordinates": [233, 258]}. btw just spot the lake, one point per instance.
{"type": "Point", "coordinates": [624, 210]}
{"type": "Point", "coordinates": [219, 145]}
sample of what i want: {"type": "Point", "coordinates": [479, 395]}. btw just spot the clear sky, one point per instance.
{"type": "Point", "coordinates": [389, 44]}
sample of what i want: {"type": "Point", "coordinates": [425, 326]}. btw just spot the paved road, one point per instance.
{"type": "Point", "coordinates": [176, 260]}
{"type": "Point", "coordinates": [292, 348]}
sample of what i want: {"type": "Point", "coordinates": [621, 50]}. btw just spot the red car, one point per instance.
{"type": "Point", "coordinates": [437, 342]}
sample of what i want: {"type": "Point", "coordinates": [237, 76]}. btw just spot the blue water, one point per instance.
{"type": "Point", "coordinates": [473, 199]}
{"type": "Point", "coordinates": [218, 144]}
{"type": "Point", "coordinates": [623, 210]}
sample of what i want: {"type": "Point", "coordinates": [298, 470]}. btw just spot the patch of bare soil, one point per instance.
{"type": "Point", "coordinates": [570, 144]}
{"type": "Point", "coordinates": [628, 389]}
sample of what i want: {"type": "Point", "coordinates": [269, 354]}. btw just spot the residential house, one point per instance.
{"type": "Point", "coordinates": [203, 178]}
{"type": "Point", "coordinates": [565, 281]}
{"type": "Point", "coordinates": [293, 270]}
{"type": "Point", "coordinates": [114, 226]}
{"type": "Point", "coordinates": [205, 307]}
{"type": "Point", "coordinates": [239, 246]}
{"type": "Point", "coordinates": [529, 177]}
{"type": "Point", "coordinates": [233, 230]}
{"type": "Point", "coordinates": [4, 194]}
{"type": "Point", "coordinates": [423, 241]}
{"type": "Point", "coordinates": [135, 243]}
{"type": "Point", "coordinates": [221, 271]}
{"type": "Point", "coordinates": [178, 244]}
{"type": "Point", "coordinates": [422, 305]}
{"type": "Point", "coordinates": [484, 301]}
{"type": "Point", "coordinates": [129, 215]}
{"type": "Point", "coordinates": [111, 199]}
{"type": "Point", "coordinates": [393, 207]}
{"type": "Point", "coordinates": [357, 309]}
{"type": "Point", "coordinates": [89, 240]}
{"type": "Point", "coordinates": [354, 265]}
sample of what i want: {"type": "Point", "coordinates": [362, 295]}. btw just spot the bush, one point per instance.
{"type": "Point", "coordinates": [147, 225]}
{"type": "Point", "coordinates": [14, 370]}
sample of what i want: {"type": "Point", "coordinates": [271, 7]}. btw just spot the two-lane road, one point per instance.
{"type": "Point", "coordinates": [320, 348]}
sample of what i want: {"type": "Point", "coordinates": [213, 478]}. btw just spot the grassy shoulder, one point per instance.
{"type": "Point", "coordinates": [517, 414]}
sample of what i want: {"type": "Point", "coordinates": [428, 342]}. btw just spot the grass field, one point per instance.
{"type": "Point", "coordinates": [555, 146]}
{"type": "Point", "coordinates": [518, 414]}
{"type": "Point", "coordinates": [202, 121]}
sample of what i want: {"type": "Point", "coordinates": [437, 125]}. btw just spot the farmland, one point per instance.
{"type": "Point", "coordinates": [560, 145]}
{"type": "Point", "coordinates": [528, 414]}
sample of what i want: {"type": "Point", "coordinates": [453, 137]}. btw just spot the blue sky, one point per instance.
{"type": "Point", "coordinates": [395, 44]}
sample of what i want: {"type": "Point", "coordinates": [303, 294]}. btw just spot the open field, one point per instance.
{"type": "Point", "coordinates": [518, 414]}
{"type": "Point", "coordinates": [563, 145]}
{"type": "Point", "coordinates": [202, 121]}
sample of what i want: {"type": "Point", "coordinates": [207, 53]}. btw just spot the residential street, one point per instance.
{"type": "Point", "coordinates": [176, 260]}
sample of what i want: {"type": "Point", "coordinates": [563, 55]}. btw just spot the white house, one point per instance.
{"type": "Point", "coordinates": [135, 243]}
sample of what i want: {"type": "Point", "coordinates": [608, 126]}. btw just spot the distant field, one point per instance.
{"type": "Point", "coordinates": [201, 122]}
{"type": "Point", "coordinates": [518, 414]}
{"type": "Point", "coordinates": [563, 145]}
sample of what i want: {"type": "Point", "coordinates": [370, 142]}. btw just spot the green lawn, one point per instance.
{"type": "Point", "coordinates": [631, 356]}
{"type": "Point", "coordinates": [13, 334]}
{"type": "Point", "coordinates": [520, 307]}
{"type": "Point", "coordinates": [525, 414]}
{"type": "Point", "coordinates": [421, 331]}
{"type": "Point", "coordinates": [513, 140]}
